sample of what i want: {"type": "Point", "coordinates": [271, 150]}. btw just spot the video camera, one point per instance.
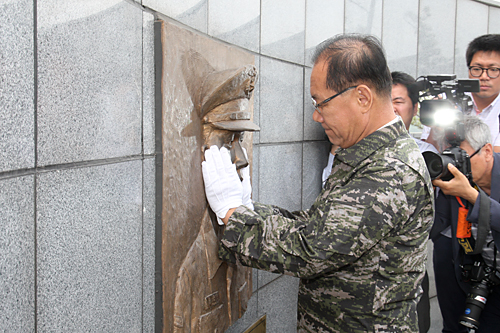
{"type": "Point", "coordinates": [446, 113]}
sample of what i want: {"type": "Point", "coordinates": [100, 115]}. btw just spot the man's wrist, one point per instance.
{"type": "Point", "coordinates": [472, 195]}
{"type": "Point", "coordinates": [228, 215]}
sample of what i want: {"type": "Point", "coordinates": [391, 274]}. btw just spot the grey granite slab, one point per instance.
{"type": "Point", "coordinates": [280, 171]}
{"type": "Point", "coordinates": [493, 21]}
{"type": "Point", "coordinates": [468, 11]}
{"type": "Point", "coordinates": [363, 17]}
{"type": "Point", "coordinates": [255, 172]}
{"type": "Point", "coordinates": [17, 112]}
{"type": "Point", "coordinates": [236, 22]}
{"type": "Point", "coordinates": [324, 19]}
{"type": "Point", "coordinates": [281, 101]}
{"type": "Point", "coordinates": [193, 13]}
{"type": "Point", "coordinates": [148, 84]}
{"type": "Point", "coordinates": [89, 81]}
{"type": "Point", "coordinates": [148, 244]}
{"type": "Point", "coordinates": [278, 301]}
{"type": "Point", "coordinates": [17, 259]}
{"type": "Point", "coordinates": [89, 249]}
{"type": "Point", "coordinates": [256, 101]}
{"type": "Point", "coordinates": [436, 35]}
{"type": "Point", "coordinates": [400, 35]}
{"type": "Point", "coordinates": [283, 29]}
{"type": "Point", "coordinates": [315, 158]}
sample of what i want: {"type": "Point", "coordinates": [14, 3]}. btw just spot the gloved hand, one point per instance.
{"type": "Point", "coordinates": [247, 186]}
{"type": "Point", "coordinates": [222, 184]}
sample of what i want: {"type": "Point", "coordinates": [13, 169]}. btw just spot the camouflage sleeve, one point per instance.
{"type": "Point", "coordinates": [339, 228]}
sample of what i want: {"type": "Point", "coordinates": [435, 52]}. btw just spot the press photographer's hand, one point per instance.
{"type": "Point", "coordinates": [458, 186]}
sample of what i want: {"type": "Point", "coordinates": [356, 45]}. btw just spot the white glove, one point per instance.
{"type": "Point", "coordinates": [247, 186]}
{"type": "Point", "coordinates": [222, 184]}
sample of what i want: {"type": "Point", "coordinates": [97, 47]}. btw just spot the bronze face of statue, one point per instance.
{"type": "Point", "coordinates": [232, 141]}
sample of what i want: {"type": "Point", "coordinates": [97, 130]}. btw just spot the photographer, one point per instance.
{"type": "Point", "coordinates": [483, 61]}
{"type": "Point", "coordinates": [458, 203]}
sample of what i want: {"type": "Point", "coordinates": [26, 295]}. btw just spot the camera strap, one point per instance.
{"type": "Point", "coordinates": [463, 226]}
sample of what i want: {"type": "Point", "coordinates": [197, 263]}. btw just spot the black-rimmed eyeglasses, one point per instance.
{"type": "Point", "coordinates": [492, 72]}
{"type": "Point", "coordinates": [317, 106]}
{"type": "Point", "coordinates": [477, 151]}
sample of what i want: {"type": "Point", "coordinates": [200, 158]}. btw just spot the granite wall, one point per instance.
{"type": "Point", "coordinates": [78, 182]}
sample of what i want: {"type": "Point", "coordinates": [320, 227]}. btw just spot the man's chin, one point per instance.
{"type": "Point", "coordinates": [488, 93]}
{"type": "Point", "coordinates": [333, 140]}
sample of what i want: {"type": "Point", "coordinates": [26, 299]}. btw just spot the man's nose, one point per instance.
{"type": "Point", "coordinates": [484, 75]}
{"type": "Point", "coordinates": [317, 117]}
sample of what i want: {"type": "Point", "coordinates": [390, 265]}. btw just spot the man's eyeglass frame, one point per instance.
{"type": "Point", "coordinates": [317, 106]}
{"type": "Point", "coordinates": [477, 151]}
{"type": "Point", "coordinates": [471, 68]}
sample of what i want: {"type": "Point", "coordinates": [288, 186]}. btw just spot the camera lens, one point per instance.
{"type": "Point", "coordinates": [474, 304]}
{"type": "Point", "coordinates": [434, 164]}
{"type": "Point", "coordinates": [438, 165]}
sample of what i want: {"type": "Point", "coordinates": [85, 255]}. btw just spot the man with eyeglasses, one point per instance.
{"type": "Point", "coordinates": [458, 209]}
{"type": "Point", "coordinates": [483, 61]}
{"type": "Point", "coordinates": [360, 249]}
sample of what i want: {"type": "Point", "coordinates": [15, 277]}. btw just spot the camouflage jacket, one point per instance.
{"type": "Point", "coordinates": [360, 250]}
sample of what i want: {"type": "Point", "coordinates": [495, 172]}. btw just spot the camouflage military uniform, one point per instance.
{"type": "Point", "coordinates": [360, 250]}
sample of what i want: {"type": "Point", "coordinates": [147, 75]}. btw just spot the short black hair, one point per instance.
{"type": "Point", "coordinates": [354, 59]}
{"type": "Point", "coordinates": [485, 43]}
{"type": "Point", "coordinates": [409, 82]}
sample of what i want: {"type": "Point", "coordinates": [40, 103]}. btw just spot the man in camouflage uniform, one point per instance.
{"type": "Point", "coordinates": [360, 250]}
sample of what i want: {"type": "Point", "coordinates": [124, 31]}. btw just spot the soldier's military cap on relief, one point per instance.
{"type": "Point", "coordinates": [225, 99]}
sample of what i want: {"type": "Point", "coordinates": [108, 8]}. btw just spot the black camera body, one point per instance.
{"type": "Point", "coordinates": [452, 107]}
{"type": "Point", "coordinates": [437, 164]}
{"type": "Point", "coordinates": [483, 278]}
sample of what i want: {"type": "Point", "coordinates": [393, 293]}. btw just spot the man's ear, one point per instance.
{"type": "Point", "coordinates": [364, 97]}
{"type": "Point", "coordinates": [415, 109]}
{"type": "Point", "coordinates": [488, 150]}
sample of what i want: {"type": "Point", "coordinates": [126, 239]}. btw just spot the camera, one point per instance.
{"type": "Point", "coordinates": [437, 164]}
{"type": "Point", "coordinates": [446, 113]}
{"type": "Point", "coordinates": [483, 279]}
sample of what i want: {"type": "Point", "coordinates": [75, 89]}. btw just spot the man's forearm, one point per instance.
{"type": "Point", "coordinates": [471, 195]}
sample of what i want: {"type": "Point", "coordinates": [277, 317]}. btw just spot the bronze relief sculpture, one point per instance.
{"type": "Point", "coordinates": [211, 294]}
{"type": "Point", "coordinates": [203, 105]}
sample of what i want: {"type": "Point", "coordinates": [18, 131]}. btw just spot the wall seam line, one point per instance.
{"type": "Point", "coordinates": [35, 177]}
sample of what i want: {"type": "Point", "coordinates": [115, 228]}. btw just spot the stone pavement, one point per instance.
{"type": "Point", "coordinates": [436, 320]}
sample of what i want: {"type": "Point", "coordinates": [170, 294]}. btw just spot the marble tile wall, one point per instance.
{"type": "Point", "coordinates": [400, 35]}
{"type": "Point", "coordinates": [78, 110]}
{"type": "Point", "coordinates": [17, 262]}
{"type": "Point", "coordinates": [89, 241]}
{"type": "Point", "coordinates": [17, 85]}
{"type": "Point", "coordinates": [77, 166]}
{"type": "Point", "coordinates": [282, 29]}
{"type": "Point", "coordinates": [228, 22]}
{"type": "Point", "coordinates": [88, 97]}
{"type": "Point", "coordinates": [493, 21]}
{"type": "Point", "coordinates": [468, 11]}
{"type": "Point", "coordinates": [324, 19]}
{"type": "Point", "coordinates": [436, 37]}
